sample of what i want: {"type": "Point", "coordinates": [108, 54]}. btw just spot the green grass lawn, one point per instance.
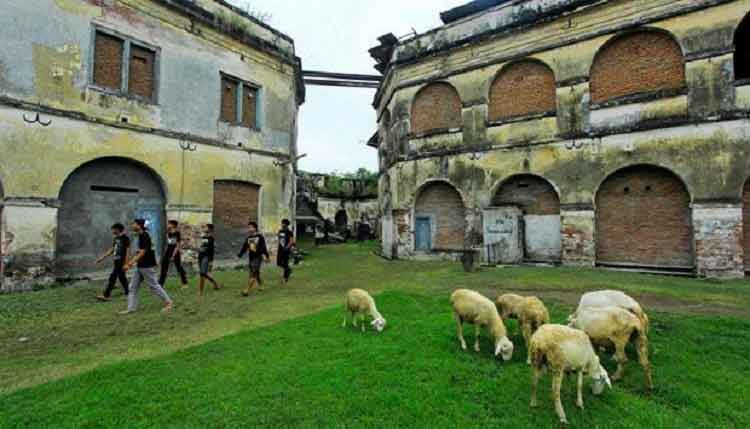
{"type": "Point", "coordinates": [282, 358]}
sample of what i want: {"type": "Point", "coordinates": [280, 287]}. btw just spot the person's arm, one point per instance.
{"type": "Point", "coordinates": [109, 253]}
{"type": "Point", "coordinates": [126, 256]}
{"type": "Point", "coordinates": [292, 240]}
{"type": "Point", "coordinates": [243, 250]}
{"type": "Point", "coordinates": [138, 256]}
{"type": "Point", "coordinates": [264, 248]}
{"type": "Point", "coordinates": [178, 247]}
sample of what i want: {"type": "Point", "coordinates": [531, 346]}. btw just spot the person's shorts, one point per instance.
{"type": "Point", "coordinates": [282, 258]}
{"type": "Point", "coordinates": [254, 268]}
{"type": "Point", "coordinates": [204, 265]}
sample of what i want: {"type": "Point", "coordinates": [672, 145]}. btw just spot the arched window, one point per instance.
{"type": "Point", "coordinates": [522, 88]}
{"type": "Point", "coordinates": [636, 63]}
{"type": "Point", "coordinates": [436, 107]}
{"type": "Point", "coordinates": [742, 50]}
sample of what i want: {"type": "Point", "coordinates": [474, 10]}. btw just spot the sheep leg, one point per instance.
{"type": "Point", "coordinates": [364, 322]}
{"type": "Point", "coordinates": [526, 331]}
{"type": "Point", "coordinates": [621, 359]}
{"type": "Point", "coordinates": [642, 348]}
{"type": "Point", "coordinates": [354, 319]}
{"type": "Point", "coordinates": [460, 331]}
{"type": "Point", "coordinates": [557, 380]}
{"type": "Point", "coordinates": [477, 330]}
{"type": "Point", "coordinates": [346, 318]}
{"type": "Point", "coordinates": [579, 400]}
{"type": "Point", "coordinates": [536, 374]}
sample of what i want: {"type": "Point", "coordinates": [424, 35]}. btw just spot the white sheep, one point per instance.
{"type": "Point", "coordinates": [473, 308]}
{"type": "Point", "coordinates": [530, 312]}
{"type": "Point", "coordinates": [616, 327]}
{"type": "Point", "coordinates": [360, 302]}
{"type": "Point", "coordinates": [613, 298]}
{"type": "Point", "coordinates": [562, 349]}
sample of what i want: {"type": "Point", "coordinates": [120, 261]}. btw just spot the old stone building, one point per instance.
{"type": "Point", "coordinates": [116, 109]}
{"type": "Point", "coordinates": [608, 133]}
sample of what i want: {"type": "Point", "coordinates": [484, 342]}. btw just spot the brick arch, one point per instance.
{"type": "Point", "coordinates": [437, 106]}
{"type": "Point", "coordinates": [643, 219]}
{"type": "Point", "coordinates": [442, 205]}
{"type": "Point", "coordinates": [522, 88]}
{"type": "Point", "coordinates": [534, 194]}
{"type": "Point", "coordinates": [742, 50]}
{"type": "Point", "coordinates": [637, 62]}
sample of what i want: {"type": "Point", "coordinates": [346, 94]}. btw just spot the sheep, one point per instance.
{"type": "Point", "coordinates": [565, 349]}
{"type": "Point", "coordinates": [473, 308]}
{"type": "Point", "coordinates": [359, 301]}
{"type": "Point", "coordinates": [530, 312]}
{"type": "Point", "coordinates": [613, 298]}
{"type": "Point", "coordinates": [616, 326]}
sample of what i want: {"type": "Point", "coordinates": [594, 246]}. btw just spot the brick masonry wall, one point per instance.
{"type": "Point", "coordinates": [235, 204]}
{"type": "Point", "coordinates": [636, 63]}
{"type": "Point", "coordinates": [108, 62]}
{"type": "Point", "coordinates": [141, 81]}
{"type": "Point", "coordinates": [443, 204]}
{"type": "Point", "coordinates": [534, 195]}
{"type": "Point", "coordinates": [523, 88]}
{"type": "Point", "coordinates": [719, 241]}
{"type": "Point", "coordinates": [578, 245]}
{"type": "Point", "coordinates": [437, 106]}
{"type": "Point", "coordinates": [643, 218]}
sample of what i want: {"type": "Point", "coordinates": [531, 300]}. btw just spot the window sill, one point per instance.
{"type": "Point", "coordinates": [522, 118]}
{"type": "Point", "coordinates": [436, 132]}
{"type": "Point", "coordinates": [639, 98]}
{"type": "Point", "coordinates": [238, 125]}
{"type": "Point", "coordinates": [119, 94]}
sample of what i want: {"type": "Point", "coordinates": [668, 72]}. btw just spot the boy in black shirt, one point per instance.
{"type": "Point", "coordinates": [145, 260]}
{"type": "Point", "coordinates": [206, 258]}
{"type": "Point", "coordinates": [255, 247]}
{"type": "Point", "coordinates": [172, 254]}
{"type": "Point", "coordinates": [286, 244]}
{"type": "Point", "coordinates": [119, 254]}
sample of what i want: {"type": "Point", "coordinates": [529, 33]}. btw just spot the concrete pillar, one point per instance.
{"type": "Point", "coordinates": [578, 231]}
{"type": "Point", "coordinates": [29, 239]}
{"type": "Point", "coordinates": [717, 230]}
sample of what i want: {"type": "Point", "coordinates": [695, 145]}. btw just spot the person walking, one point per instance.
{"type": "Point", "coordinates": [284, 253]}
{"type": "Point", "coordinates": [255, 247]}
{"type": "Point", "coordinates": [206, 259]}
{"type": "Point", "coordinates": [173, 254]}
{"type": "Point", "coordinates": [145, 263]}
{"type": "Point", "coordinates": [119, 253]}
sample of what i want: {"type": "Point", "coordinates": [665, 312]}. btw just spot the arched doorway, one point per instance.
{"type": "Point", "coordinates": [98, 194]}
{"type": "Point", "coordinates": [540, 207]}
{"type": "Point", "coordinates": [643, 219]}
{"type": "Point", "coordinates": [236, 203]}
{"type": "Point", "coordinates": [439, 218]}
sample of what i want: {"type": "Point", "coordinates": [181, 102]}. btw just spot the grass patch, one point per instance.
{"type": "Point", "coordinates": [309, 372]}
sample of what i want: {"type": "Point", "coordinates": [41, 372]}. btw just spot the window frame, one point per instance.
{"type": "Point", "coordinates": [128, 42]}
{"type": "Point", "coordinates": [238, 102]}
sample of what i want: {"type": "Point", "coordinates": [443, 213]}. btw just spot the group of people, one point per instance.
{"type": "Point", "coordinates": [145, 262]}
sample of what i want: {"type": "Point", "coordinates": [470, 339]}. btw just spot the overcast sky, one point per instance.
{"type": "Point", "coordinates": [335, 35]}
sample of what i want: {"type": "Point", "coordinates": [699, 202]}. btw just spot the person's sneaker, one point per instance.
{"type": "Point", "coordinates": [245, 294]}
{"type": "Point", "coordinates": [125, 312]}
{"type": "Point", "coordinates": [167, 308]}
{"type": "Point", "coordinates": [103, 298]}
{"type": "Point", "coordinates": [218, 287]}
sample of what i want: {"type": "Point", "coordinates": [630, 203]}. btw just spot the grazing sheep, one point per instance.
{"type": "Point", "coordinates": [473, 308]}
{"type": "Point", "coordinates": [360, 302]}
{"type": "Point", "coordinates": [565, 349]}
{"type": "Point", "coordinates": [613, 298]}
{"type": "Point", "coordinates": [530, 312]}
{"type": "Point", "coordinates": [616, 327]}
{"type": "Point", "coordinates": [510, 305]}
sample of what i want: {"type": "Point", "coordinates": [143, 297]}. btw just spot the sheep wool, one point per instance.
{"type": "Point", "coordinates": [473, 308]}
{"type": "Point", "coordinates": [616, 326]}
{"type": "Point", "coordinates": [360, 302]}
{"type": "Point", "coordinates": [613, 298]}
{"type": "Point", "coordinates": [562, 349]}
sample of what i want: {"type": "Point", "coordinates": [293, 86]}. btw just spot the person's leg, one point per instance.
{"type": "Point", "coordinates": [135, 283]}
{"type": "Point", "coordinates": [123, 280]}
{"type": "Point", "coordinates": [164, 268]}
{"type": "Point", "coordinates": [180, 269]}
{"type": "Point", "coordinates": [202, 267]}
{"type": "Point", "coordinates": [149, 276]}
{"type": "Point", "coordinates": [110, 286]}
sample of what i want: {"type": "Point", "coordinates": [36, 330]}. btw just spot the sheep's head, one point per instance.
{"type": "Point", "coordinates": [600, 380]}
{"type": "Point", "coordinates": [504, 348]}
{"type": "Point", "coordinates": [379, 324]}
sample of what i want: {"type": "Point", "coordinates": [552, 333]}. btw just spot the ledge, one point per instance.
{"type": "Point", "coordinates": [639, 98]}
{"type": "Point", "coordinates": [521, 118]}
{"type": "Point", "coordinates": [433, 133]}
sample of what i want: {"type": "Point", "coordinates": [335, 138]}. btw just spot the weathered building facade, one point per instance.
{"type": "Point", "coordinates": [581, 132]}
{"type": "Point", "coordinates": [162, 109]}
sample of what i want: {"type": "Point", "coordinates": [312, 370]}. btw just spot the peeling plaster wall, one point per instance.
{"type": "Point", "coordinates": [701, 134]}
{"type": "Point", "coordinates": [355, 210]}
{"type": "Point", "coordinates": [46, 61]}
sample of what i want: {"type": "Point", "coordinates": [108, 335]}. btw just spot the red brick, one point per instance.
{"type": "Point", "coordinates": [520, 89]}
{"type": "Point", "coordinates": [443, 204]}
{"type": "Point", "coordinates": [436, 107]}
{"type": "Point", "coordinates": [534, 195]}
